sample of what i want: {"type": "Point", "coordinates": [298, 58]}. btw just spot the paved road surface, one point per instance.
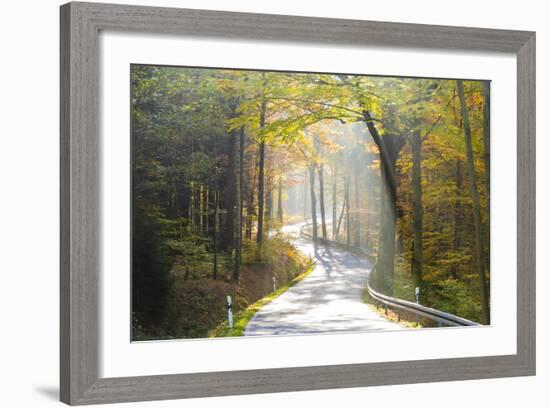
{"type": "Point", "coordinates": [328, 300]}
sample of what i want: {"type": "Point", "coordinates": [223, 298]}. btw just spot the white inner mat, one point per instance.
{"type": "Point", "coordinates": [119, 357]}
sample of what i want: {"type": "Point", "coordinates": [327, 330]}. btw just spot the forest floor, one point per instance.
{"type": "Point", "coordinates": [267, 271]}
{"type": "Point", "coordinates": [329, 299]}
{"type": "Point", "coordinates": [242, 318]}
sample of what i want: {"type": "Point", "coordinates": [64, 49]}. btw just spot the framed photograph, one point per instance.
{"type": "Point", "coordinates": [261, 203]}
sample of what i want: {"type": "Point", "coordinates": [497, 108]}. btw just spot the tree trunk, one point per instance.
{"type": "Point", "coordinates": [389, 147]}
{"type": "Point", "coordinates": [268, 216]}
{"type": "Point", "coordinates": [215, 234]}
{"type": "Point", "coordinates": [487, 160]}
{"type": "Point", "coordinates": [487, 137]}
{"type": "Point", "coordinates": [348, 217]}
{"type": "Point", "coordinates": [260, 232]}
{"type": "Point", "coordinates": [356, 213]}
{"type": "Point", "coordinates": [207, 209]}
{"type": "Point", "coordinates": [280, 201]}
{"type": "Point", "coordinates": [480, 261]}
{"type": "Point", "coordinates": [238, 226]}
{"type": "Point", "coordinates": [368, 203]}
{"type": "Point", "coordinates": [418, 212]}
{"type": "Point", "coordinates": [334, 203]}
{"type": "Point", "coordinates": [229, 197]}
{"type": "Point", "coordinates": [201, 209]}
{"type": "Point", "coordinates": [175, 202]}
{"type": "Point", "coordinates": [457, 216]}
{"type": "Point", "coordinates": [386, 245]}
{"type": "Point", "coordinates": [192, 208]}
{"type": "Point", "coordinates": [250, 203]}
{"type": "Point", "coordinates": [306, 194]}
{"type": "Point", "coordinates": [340, 219]}
{"type": "Point", "coordinates": [248, 225]}
{"type": "Point", "coordinates": [311, 169]}
{"type": "Point", "coordinates": [322, 201]}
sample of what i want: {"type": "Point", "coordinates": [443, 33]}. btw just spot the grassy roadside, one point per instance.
{"type": "Point", "coordinates": [391, 315]}
{"type": "Point", "coordinates": [242, 318]}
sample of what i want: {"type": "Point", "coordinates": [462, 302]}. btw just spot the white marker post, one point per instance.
{"type": "Point", "coordinates": [274, 284]}
{"type": "Point", "coordinates": [229, 312]}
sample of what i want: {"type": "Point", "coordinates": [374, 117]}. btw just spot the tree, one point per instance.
{"type": "Point", "coordinates": [356, 217]}
{"type": "Point", "coordinates": [261, 183]}
{"type": "Point", "coordinates": [475, 203]}
{"type": "Point", "coordinates": [320, 170]}
{"type": "Point", "coordinates": [280, 200]}
{"type": "Point", "coordinates": [389, 146]}
{"type": "Point", "coordinates": [418, 211]}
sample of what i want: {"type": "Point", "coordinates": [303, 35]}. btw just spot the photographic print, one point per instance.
{"type": "Point", "coordinates": [287, 203]}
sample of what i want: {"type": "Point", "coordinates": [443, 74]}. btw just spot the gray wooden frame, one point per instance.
{"type": "Point", "coordinates": [80, 25]}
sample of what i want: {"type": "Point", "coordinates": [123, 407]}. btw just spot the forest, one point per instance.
{"type": "Point", "coordinates": [222, 159]}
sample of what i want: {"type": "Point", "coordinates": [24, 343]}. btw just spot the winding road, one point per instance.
{"type": "Point", "coordinates": [329, 299]}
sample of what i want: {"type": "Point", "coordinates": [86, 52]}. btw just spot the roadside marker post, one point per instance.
{"type": "Point", "coordinates": [229, 306]}
{"type": "Point", "coordinates": [274, 284]}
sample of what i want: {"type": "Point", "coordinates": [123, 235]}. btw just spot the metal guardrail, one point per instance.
{"type": "Point", "coordinates": [442, 318]}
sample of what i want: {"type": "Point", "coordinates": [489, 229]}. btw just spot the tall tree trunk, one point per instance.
{"type": "Point", "coordinates": [345, 203]}
{"type": "Point", "coordinates": [457, 215]}
{"type": "Point", "coordinates": [280, 201]}
{"type": "Point", "coordinates": [175, 202]}
{"type": "Point", "coordinates": [207, 209]}
{"type": "Point", "coordinates": [260, 232]}
{"type": "Point", "coordinates": [340, 219]}
{"type": "Point", "coordinates": [487, 137]}
{"type": "Point", "coordinates": [389, 147]}
{"type": "Point", "coordinates": [268, 202]}
{"type": "Point", "coordinates": [192, 208]}
{"type": "Point", "coordinates": [306, 194]}
{"type": "Point", "coordinates": [322, 201]}
{"type": "Point", "coordinates": [348, 215]}
{"type": "Point", "coordinates": [248, 224]}
{"type": "Point", "coordinates": [201, 209]}
{"type": "Point", "coordinates": [238, 226]}
{"type": "Point", "coordinates": [476, 205]}
{"type": "Point", "coordinates": [356, 213]}
{"type": "Point", "coordinates": [215, 234]}
{"type": "Point", "coordinates": [386, 245]}
{"type": "Point", "coordinates": [487, 161]}
{"type": "Point", "coordinates": [250, 203]}
{"type": "Point", "coordinates": [334, 202]}
{"type": "Point", "coordinates": [229, 197]}
{"type": "Point", "coordinates": [311, 169]}
{"type": "Point", "coordinates": [368, 203]}
{"type": "Point", "coordinates": [418, 211]}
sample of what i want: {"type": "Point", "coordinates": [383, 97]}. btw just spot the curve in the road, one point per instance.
{"type": "Point", "coordinates": [327, 300]}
